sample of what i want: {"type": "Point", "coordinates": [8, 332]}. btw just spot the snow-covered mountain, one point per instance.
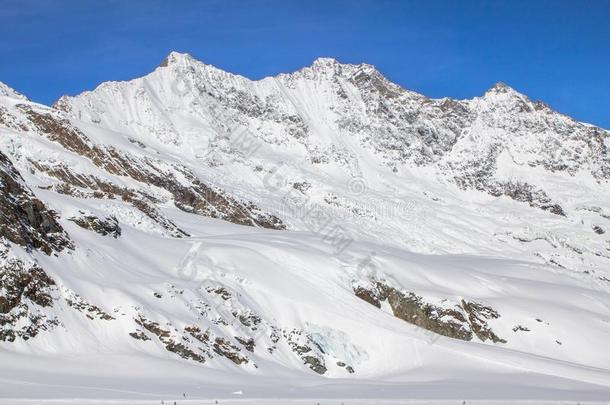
{"type": "Point", "coordinates": [324, 231]}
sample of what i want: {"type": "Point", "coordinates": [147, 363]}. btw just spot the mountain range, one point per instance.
{"type": "Point", "coordinates": [319, 234]}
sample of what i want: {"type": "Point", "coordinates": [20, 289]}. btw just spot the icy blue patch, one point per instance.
{"type": "Point", "coordinates": [336, 344]}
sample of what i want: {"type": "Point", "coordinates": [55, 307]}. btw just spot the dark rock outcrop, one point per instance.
{"type": "Point", "coordinates": [164, 336]}
{"type": "Point", "coordinates": [107, 226]}
{"type": "Point", "coordinates": [225, 348]}
{"type": "Point", "coordinates": [524, 192]}
{"type": "Point", "coordinates": [459, 322]}
{"type": "Point", "coordinates": [478, 315]}
{"type": "Point", "coordinates": [24, 291]}
{"type": "Point", "coordinates": [25, 220]}
{"type": "Point", "coordinates": [91, 311]}
{"type": "Point", "coordinates": [303, 345]}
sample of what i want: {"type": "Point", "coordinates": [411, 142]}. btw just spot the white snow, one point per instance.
{"type": "Point", "coordinates": [411, 228]}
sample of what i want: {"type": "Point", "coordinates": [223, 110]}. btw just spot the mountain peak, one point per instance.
{"type": "Point", "coordinates": [332, 67]}
{"type": "Point", "coordinates": [501, 87]}
{"type": "Point", "coordinates": [7, 91]}
{"type": "Point", "coordinates": [325, 61]}
{"type": "Point", "coordinates": [327, 66]}
{"type": "Point", "coordinates": [177, 58]}
{"type": "Point", "coordinates": [501, 92]}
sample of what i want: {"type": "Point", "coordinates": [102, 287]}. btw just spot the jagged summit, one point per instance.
{"type": "Point", "coordinates": [321, 67]}
{"type": "Point", "coordinates": [402, 125]}
{"type": "Point", "coordinates": [325, 66]}
{"type": "Point", "coordinates": [7, 91]}
{"type": "Point", "coordinates": [506, 97]}
{"type": "Point", "coordinates": [174, 58]}
{"type": "Point", "coordinates": [332, 65]}
{"type": "Point", "coordinates": [503, 88]}
{"type": "Point", "coordinates": [325, 61]}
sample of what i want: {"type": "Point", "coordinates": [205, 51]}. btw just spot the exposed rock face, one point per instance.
{"type": "Point", "coordinates": [311, 354]}
{"type": "Point", "coordinates": [315, 364]}
{"type": "Point", "coordinates": [91, 311]}
{"type": "Point", "coordinates": [20, 282]}
{"type": "Point", "coordinates": [164, 336]}
{"type": "Point", "coordinates": [24, 291]}
{"type": "Point", "coordinates": [478, 315]}
{"type": "Point", "coordinates": [524, 192]}
{"type": "Point", "coordinates": [458, 322]}
{"type": "Point", "coordinates": [247, 343]}
{"type": "Point", "coordinates": [225, 348]}
{"type": "Point", "coordinates": [108, 226]}
{"type": "Point", "coordinates": [25, 219]}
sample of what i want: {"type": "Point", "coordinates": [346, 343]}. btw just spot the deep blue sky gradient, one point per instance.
{"type": "Point", "coordinates": [557, 51]}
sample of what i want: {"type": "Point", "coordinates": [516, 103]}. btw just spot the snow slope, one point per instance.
{"type": "Point", "coordinates": [398, 247]}
{"type": "Point", "coordinates": [294, 282]}
{"type": "Point", "coordinates": [375, 154]}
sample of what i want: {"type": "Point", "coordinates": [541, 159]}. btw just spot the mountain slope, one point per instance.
{"type": "Point", "coordinates": [391, 239]}
{"type": "Point", "coordinates": [374, 153]}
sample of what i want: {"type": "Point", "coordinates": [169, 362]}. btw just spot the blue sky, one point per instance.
{"type": "Point", "coordinates": [556, 51]}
